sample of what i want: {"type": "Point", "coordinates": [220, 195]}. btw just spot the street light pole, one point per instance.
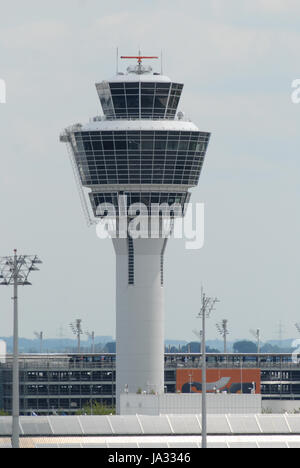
{"type": "Point", "coordinates": [14, 271]}
{"type": "Point", "coordinates": [16, 391]}
{"type": "Point", "coordinates": [112, 388]}
{"type": "Point", "coordinates": [207, 307]}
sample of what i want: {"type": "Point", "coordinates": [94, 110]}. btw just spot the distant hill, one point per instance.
{"type": "Point", "coordinates": [107, 344]}
{"type": "Point", "coordinates": [55, 345]}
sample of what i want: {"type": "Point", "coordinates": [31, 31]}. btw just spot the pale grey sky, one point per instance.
{"type": "Point", "coordinates": [237, 60]}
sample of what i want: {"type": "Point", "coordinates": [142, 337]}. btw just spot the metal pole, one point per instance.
{"type": "Point", "coordinates": [241, 358]}
{"type": "Point", "coordinates": [16, 401]}
{"type": "Point", "coordinates": [112, 389]}
{"type": "Point", "coordinates": [204, 415]}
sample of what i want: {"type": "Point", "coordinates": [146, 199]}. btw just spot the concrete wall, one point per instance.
{"type": "Point", "coordinates": [281, 406]}
{"type": "Point", "coordinates": [2, 352]}
{"type": "Point", "coordinates": [190, 404]}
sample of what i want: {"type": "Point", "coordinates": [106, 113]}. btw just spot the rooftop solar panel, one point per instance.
{"type": "Point", "coordinates": [217, 424]}
{"type": "Point", "coordinates": [155, 425]}
{"type": "Point", "coordinates": [126, 425]}
{"type": "Point", "coordinates": [35, 425]}
{"type": "Point", "coordinates": [294, 422]}
{"type": "Point", "coordinates": [124, 445]}
{"type": "Point", "coordinates": [95, 425]}
{"type": "Point", "coordinates": [70, 446]}
{"type": "Point", "coordinates": [244, 424]}
{"type": "Point", "coordinates": [294, 445]}
{"type": "Point", "coordinates": [273, 424]}
{"type": "Point", "coordinates": [185, 424]}
{"type": "Point", "coordinates": [240, 445]}
{"type": "Point", "coordinates": [5, 426]}
{"type": "Point", "coordinates": [46, 446]}
{"type": "Point", "coordinates": [68, 425]}
{"type": "Point", "coordinates": [272, 445]}
{"type": "Point", "coordinates": [152, 445]}
{"type": "Point", "coordinates": [93, 446]}
{"type": "Point", "coordinates": [217, 445]}
{"type": "Point", "coordinates": [183, 445]}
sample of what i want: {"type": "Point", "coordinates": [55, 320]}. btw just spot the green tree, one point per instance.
{"type": "Point", "coordinates": [98, 409]}
{"type": "Point", "coordinates": [3, 413]}
{"type": "Point", "coordinates": [245, 347]}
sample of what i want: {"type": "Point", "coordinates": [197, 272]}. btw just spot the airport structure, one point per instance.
{"type": "Point", "coordinates": [65, 384]}
{"type": "Point", "coordinates": [155, 432]}
{"type": "Point", "coordinates": [142, 154]}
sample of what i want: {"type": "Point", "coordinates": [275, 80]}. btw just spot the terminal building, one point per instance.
{"type": "Point", "coordinates": [66, 384]}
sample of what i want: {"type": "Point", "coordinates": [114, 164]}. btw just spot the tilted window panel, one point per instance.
{"type": "Point", "coordinates": [140, 157]}
{"type": "Point", "coordinates": [149, 199]}
{"type": "Point", "coordinates": [139, 100]}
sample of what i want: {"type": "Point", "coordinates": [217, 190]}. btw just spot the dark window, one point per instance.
{"type": "Point", "coordinates": [160, 102]}
{"type": "Point", "coordinates": [108, 145]}
{"type": "Point", "coordinates": [121, 145]}
{"type": "Point", "coordinates": [147, 101]}
{"type": "Point", "coordinates": [119, 102]}
{"type": "Point", "coordinates": [133, 101]}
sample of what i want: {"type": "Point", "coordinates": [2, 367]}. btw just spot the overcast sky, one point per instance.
{"type": "Point", "coordinates": [237, 60]}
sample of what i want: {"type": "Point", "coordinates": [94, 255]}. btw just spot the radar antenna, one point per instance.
{"type": "Point", "coordinates": [139, 59]}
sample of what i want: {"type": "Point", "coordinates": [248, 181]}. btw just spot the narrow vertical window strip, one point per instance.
{"type": "Point", "coordinates": [130, 262]}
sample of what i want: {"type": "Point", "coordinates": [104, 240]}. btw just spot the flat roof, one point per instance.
{"type": "Point", "coordinates": [144, 425]}
{"type": "Point", "coordinates": [140, 124]}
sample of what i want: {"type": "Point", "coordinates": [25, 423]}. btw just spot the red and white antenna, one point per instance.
{"type": "Point", "coordinates": [139, 59]}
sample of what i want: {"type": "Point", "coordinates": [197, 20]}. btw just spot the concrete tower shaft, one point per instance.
{"type": "Point", "coordinates": [140, 315]}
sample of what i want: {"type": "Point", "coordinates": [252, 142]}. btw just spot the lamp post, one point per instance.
{"type": "Point", "coordinates": [207, 306]}
{"type": "Point", "coordinates": [112, 387]}
{"type": "Point", "coordinates": [15, 271]}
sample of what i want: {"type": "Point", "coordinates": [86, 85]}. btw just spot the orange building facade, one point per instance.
{"type": "Point", "coordinates": [219, 380]}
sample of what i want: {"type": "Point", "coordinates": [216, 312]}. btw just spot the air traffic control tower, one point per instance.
{"type": "Point", "coordinates": [142, 148]}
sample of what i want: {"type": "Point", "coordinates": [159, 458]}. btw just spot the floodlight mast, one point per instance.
{"type": "Point", "coordinates": [207, 306]}
{"type": "Point", "coordinates": [223, 330]}
{"type": "Point", "coordinates": [297, 325]}
{"type": "Point", "coordinates": [91, 337]}
{"type": "Point", "coordinates": [256, 334]}
{"type": "Point", "coordinates": [40, 337]}
{"type": "Point", "coordinates": [14, 271]}
{"type": "Point", "coordinates": [77, 331]}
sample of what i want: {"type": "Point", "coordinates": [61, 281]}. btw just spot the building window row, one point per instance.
{"type": "Point", "coordinates": [139, 100]}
